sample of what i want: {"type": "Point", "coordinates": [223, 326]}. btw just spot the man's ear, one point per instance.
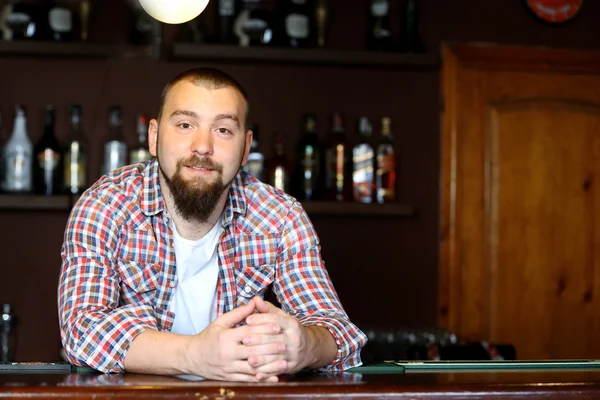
{"type": "Point", "coordinates": [247, 146]}
{"type": "Point", "coordinates": [153, 136]}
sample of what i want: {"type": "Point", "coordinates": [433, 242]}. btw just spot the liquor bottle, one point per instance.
{"type": "Point", "coordinates": [338, 162]}
{"type": "Point", "coordinates": [298, 24]}
{"type": "Point", "coordinates": [20, 20]}
{"type": "Point", "coordinates": [7, 334]}
{"type": "Point", "coordinates": [54, 22]}
{"type": "Point", "coordinates": [386, 165]}
{"type": "Point", "coordinates": [75, 156]}
{"type": "Point", "coordinates": [226, 12]}
{"type": "Point", "coordinates": [321, 21]}
{"type": "Point", "coordinates": [278, 166]}
{"type": "Point", "coordinates": [18, 156]}
{"type": "Point", "coordinates": [410, 41]}
{"type": "Point", "coordinates": [253, 24]}
{"type": "Point", "coordinates": [115, 148]}
{"type": "Point", "coordinates": [255, 163]}
{"type": "Point", "coordinates": [139, 151]}
{"type": "Point", "coordinates": [310, 155]}
{"type": "Point", "coordinates": [60, 21]}
{"type": "Point", "coordinates": [378, 33]}
{"type": "Point", "coordinates": [363, 161]}
{"type": "Point", "coordinates": [47, 171]}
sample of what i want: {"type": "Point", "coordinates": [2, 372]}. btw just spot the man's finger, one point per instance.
{"type": "Point", "coordinates": [236, 316]}
{"type": "Point", "coordinates": [254, 339]}
{"type": "Point", "coordinates": [246, 352]}
{"type": "Point", "coordinates": [274, 368]}
{"type": "Point", "coordinates": [260, 361]}
{"type": "Point", "coordinates": [270, 318]}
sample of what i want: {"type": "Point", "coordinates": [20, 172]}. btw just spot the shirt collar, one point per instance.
{"type": "Point", "coordinates": [236, 201]}
{"type": "Point", "coordinates": [152, 198]}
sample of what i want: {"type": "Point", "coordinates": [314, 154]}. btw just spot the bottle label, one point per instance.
{"type": "Point", "coordinates": [296, 26]}
{"type": "Point", "coordinates": [226, 8]}
{"type": "Point", "coordinates": [60, 19]}
{"type": "Point", "coordinates": [386, 177]}
{"type": "Point", "coordinates": [386, 163]}
{"type": "Point", "coordinates": [48, 160]}
{"type": "Point", "coordinates": [115, 155]}
{"type": "Point", "coordinates": [379, 8]}
{"type": "Point", "coordinates": [18, 170]}
{"type": "Point", "coordinates": [75, 168]}
{"type": "Point", "coordinates": [340, 160]}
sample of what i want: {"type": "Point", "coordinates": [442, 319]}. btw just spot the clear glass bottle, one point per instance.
{"type": "Point", "coordinates": [115, 147]}
{"type": "Point", "coordinates": [18, 156]}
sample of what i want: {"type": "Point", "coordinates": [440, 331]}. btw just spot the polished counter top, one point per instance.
{"type": "Point", "coordinates": [551, 384]}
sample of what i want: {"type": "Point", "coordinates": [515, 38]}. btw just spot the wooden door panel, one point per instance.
{"type": "Point", "coordinates": [541, 171]}
{"type": "Point", "coordinates": [520, 168]}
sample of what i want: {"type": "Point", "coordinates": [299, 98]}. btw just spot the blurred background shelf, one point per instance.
{"type": "Point", "coordinates": [189, 51]}
{"type": "Point", "coordinates": [350, 209]}
{"type": "Point", "coordinates": [24, 202]}
{"type": "Point", "coordinates": [33, 48]}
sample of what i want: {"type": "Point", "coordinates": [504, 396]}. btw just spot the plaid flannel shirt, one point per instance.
{"type": "Point", "coordinates": [118, 272]}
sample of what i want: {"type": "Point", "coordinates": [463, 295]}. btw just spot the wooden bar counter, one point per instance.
{"type": "Point", "coordinates": [552, 384]}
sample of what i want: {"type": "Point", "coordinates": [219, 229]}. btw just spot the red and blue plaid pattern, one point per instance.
{"type": "Point", "coordinates": [118, 266]}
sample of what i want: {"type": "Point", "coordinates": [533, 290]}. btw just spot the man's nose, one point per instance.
{"type": "Point", "coordinates": [202, 142]}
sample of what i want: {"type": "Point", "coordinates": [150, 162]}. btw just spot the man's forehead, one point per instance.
{"type": "Point", "coordinates": [174, 94]}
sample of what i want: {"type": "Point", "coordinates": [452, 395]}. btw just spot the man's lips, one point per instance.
{"type": "Point", "coordinates": [199, 168]}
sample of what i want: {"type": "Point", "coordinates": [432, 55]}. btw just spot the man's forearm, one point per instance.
{"type": "Point", "coordinates": [153, 352]}
{"type": "Point", "coordinates": [322, 346]}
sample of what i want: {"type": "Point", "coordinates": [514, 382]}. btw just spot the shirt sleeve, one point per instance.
{"type": "Point", "coordinates": [96, 330]}
{"type": "Point", "coordinates": [304, 289]}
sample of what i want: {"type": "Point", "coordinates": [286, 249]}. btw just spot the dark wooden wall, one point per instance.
{"type": "Point", "coordinates": [385, 270]}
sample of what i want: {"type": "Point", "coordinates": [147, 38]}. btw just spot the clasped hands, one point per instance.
{"type": "Point", "coordinates": [270, 343]}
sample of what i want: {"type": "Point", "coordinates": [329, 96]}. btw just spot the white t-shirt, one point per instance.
{"type": "Point", "coordinates": [195, 299]}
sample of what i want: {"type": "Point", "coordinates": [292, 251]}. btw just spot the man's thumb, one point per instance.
{"type": "Point", "coordinates": [237, 315]}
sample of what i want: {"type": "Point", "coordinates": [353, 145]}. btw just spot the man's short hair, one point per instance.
{"type": "Point", "coordinates": [210, 78]}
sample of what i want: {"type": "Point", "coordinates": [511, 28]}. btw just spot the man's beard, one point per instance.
{"type": "Point", "coordinates": [195, 199]}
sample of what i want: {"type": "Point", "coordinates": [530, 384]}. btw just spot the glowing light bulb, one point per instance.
{"type": "Point", "coordinates": [173, 11]}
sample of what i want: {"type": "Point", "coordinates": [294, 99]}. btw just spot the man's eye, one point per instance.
{"type": "Point", "coordinates": [224, 130]}
{"type": "Point", "coordinates": [185, 125]}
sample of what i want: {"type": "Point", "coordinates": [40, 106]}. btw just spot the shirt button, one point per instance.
{"type": "Point", "coordinates": [173, 283]}
{"type": "Point", "coordinates": [248, 289]}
